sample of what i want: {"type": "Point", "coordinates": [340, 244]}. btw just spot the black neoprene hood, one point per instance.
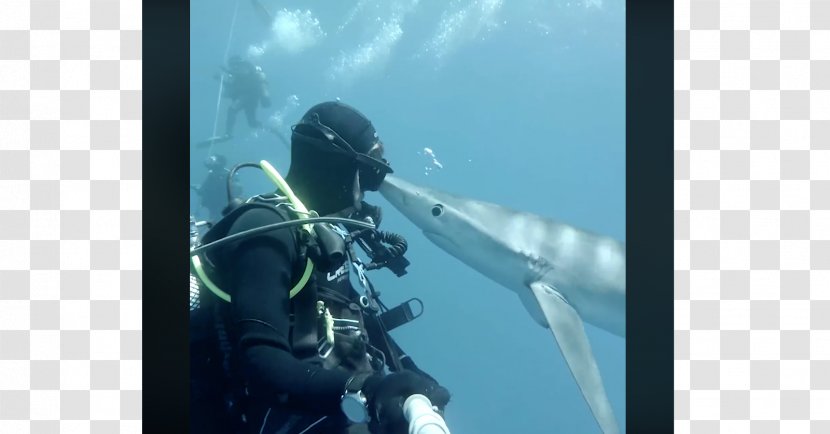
{"type": "Point", "coordinates": [348, 122]}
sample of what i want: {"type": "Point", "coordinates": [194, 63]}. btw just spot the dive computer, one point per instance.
{"type": "Point", "coordinates": [354, 402]}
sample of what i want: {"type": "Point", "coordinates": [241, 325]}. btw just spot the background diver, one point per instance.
{"type": "Point", "coordinates": [276, 350]}
{"type": "Point", "coordinates": [213, 192]}
{"type": "Point", "coordinates": [247, 87]}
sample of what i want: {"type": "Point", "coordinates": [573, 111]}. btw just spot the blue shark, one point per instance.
{"type": "Point", "coordinates": [562, 275]}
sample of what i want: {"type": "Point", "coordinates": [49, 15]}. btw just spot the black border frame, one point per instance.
{"type": "Point", "coordinates": [649, 215]}
{"type": "Point", "coordinates": [165, 216]}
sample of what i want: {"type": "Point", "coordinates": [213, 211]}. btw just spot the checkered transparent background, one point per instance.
{"type": "Point", "coordinates": [752, 216]}
{"type": "Point", "coordinates": [752, 169]}
{"type": "Point", "coordinates": [70, 216]}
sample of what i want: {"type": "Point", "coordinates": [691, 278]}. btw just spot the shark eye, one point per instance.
{"type": "Point", "coordinates": [437, 210]}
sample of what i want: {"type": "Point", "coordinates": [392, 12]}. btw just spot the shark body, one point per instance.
{"type": "Point", "coordinates": [562, 275]}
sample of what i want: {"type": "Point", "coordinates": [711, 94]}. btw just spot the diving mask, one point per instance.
{"type": "Point", "coordinates": [372, 170]}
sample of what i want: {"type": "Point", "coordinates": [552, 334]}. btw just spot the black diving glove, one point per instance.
{"type": "Point", "coordinates": [385, 396]}
{"type": "Point", "coordinates": [372, 211]}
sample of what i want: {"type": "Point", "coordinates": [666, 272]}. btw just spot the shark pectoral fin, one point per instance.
{"type": "Point", "coordinates": [569, 332]}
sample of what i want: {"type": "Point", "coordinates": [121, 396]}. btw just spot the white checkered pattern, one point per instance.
{"type": "Point", "coordinates": [752, 216]}
{"type": "Point", "coordinates": [70, 216]}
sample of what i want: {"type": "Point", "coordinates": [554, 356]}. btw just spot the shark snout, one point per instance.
{"type": "Point", "coordinates": [394, 190]}
{"type": "Point", "coordinates": [416, 203]}
{"type": "Point", "coordinates": [387, 189]}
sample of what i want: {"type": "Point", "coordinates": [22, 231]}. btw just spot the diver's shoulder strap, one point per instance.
{"type": "Point", "coordinates": [302, 267]}
{"type": "Point", "coordinates": [223, 226]}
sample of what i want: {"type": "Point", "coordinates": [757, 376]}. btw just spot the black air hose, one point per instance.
{"type": "Point", "coordinates": [232, 173]}
{"type": "Point", "coordinates": [397, 243]}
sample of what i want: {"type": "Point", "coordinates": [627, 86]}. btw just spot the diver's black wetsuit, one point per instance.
{"type": "Point", "coordinates": [259, 273]}
{"type": "Point", "coordinates": [247, 89]}
{"type": "Point", "coordinates": [247, 105]}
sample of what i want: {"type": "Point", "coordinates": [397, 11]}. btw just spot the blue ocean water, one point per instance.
{"type": "Point", "coordinates": [521, 103]}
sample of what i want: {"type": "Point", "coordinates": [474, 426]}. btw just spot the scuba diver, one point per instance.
{"type": "Point", "coordinates": [283, 341]}
{"type": "Point", "coordinates": [246, 86]}
{"type": "Point", "coordinates": [213, 192]}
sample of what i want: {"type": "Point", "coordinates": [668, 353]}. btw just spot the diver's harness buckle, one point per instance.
{"type": "Point", "coordinates": [372, 242]}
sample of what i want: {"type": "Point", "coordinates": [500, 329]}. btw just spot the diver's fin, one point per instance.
{"type": "Point", "coordinates": [213, 140]}
{"type": "Point", "coordinates": [569, 332]}
{"type": "Point", "coordinates": [262, 13]}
